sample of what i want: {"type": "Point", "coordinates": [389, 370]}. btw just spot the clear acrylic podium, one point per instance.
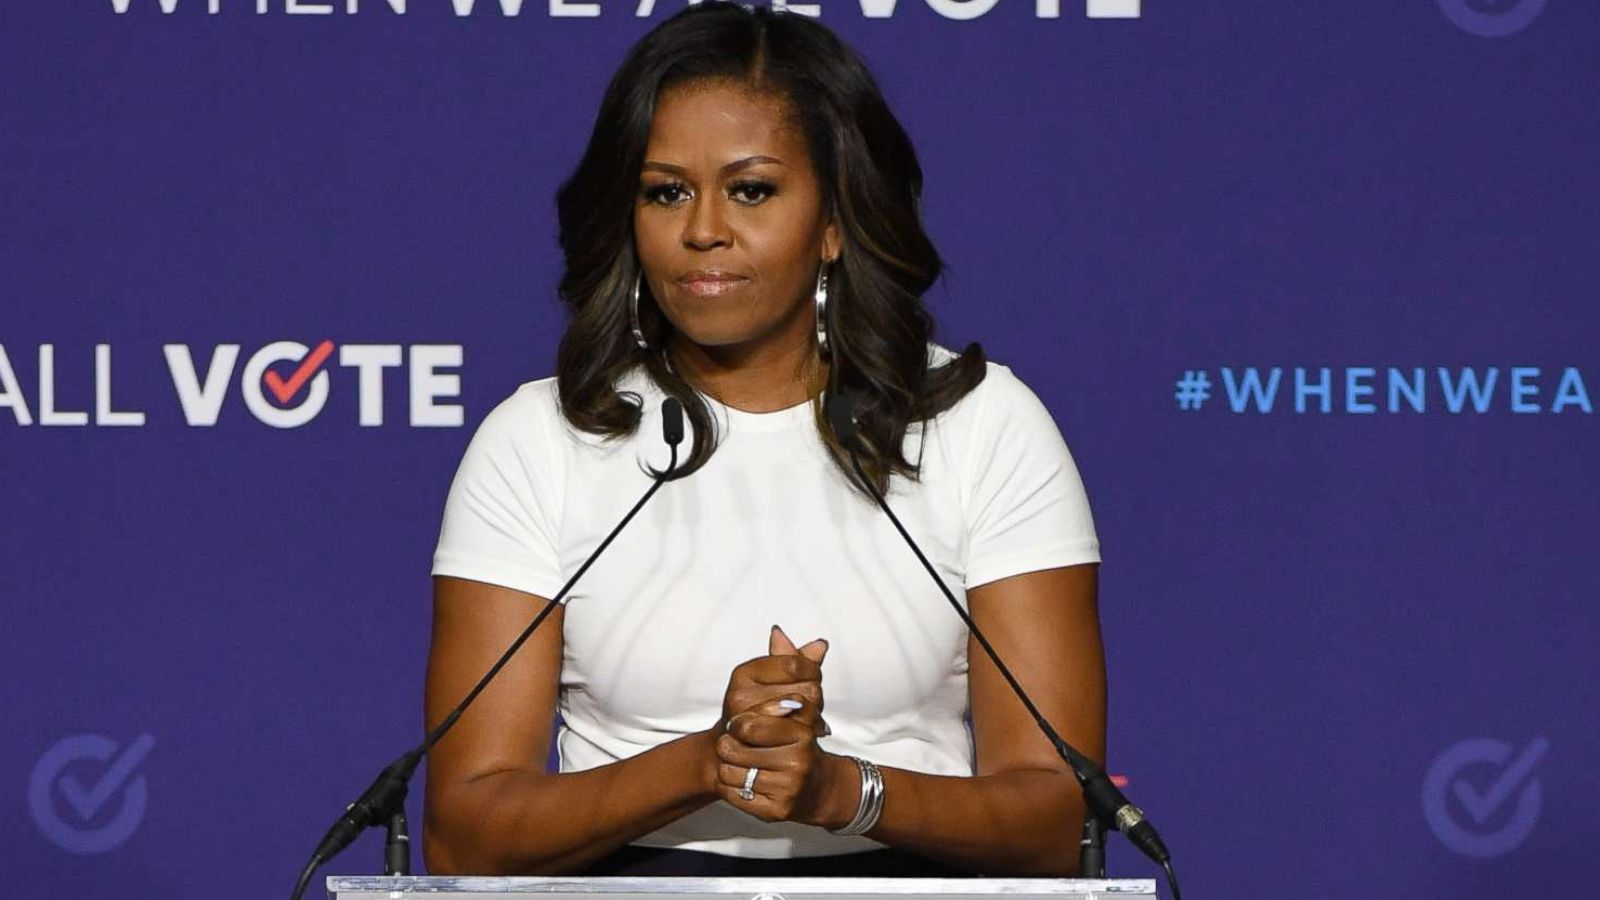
{"type": "Point", "coordinates": [395, 887]}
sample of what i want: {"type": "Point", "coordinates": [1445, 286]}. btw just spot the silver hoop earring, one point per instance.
{"type": "Point", "coordinates": [633, 315]}
{"type": "Point", "coordinates": [820, 297]}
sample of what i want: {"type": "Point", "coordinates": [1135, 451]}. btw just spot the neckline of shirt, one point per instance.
{"type": "Point", "coordinates": [776, 420]}
{"type": "Point", "coordinates": [739, 419]}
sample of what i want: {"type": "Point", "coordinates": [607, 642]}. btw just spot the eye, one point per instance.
{"type": "Point", "coordinates": [753, 192]}
{"type": "Point", "coordinates": [660, 192]}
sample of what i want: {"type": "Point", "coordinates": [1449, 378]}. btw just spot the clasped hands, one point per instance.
{"type": "Point", "coordinates": [771, 719]}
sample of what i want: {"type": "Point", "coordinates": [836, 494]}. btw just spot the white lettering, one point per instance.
{"type": "Point", "coordinates": [464, 7]}
{"type": "Point", "coordinates": [293, 7]}
{"type": "Point", "coordinates": [427, 385]}
{"type": "Point", "coordinates": [961, 10]}
{"type": "Point", "coordinates": [48, 414]}
{"type": "Point", "coordinates": [120, 7]}
{"type": "Point", "coordinates": [369, 361]}
{"type": "Point", "coordinates": [1111, 9]}
{"type": "Point", "coordinates": [103, 413]}
{"type": "Point", "coordinates": [11, 392]}
{"type": "Point", "coordinates": [801, 9]}
{"type": "Point", "coordinates": [565, 9]}
{"type": "Point", "coordinates": [201, 405]}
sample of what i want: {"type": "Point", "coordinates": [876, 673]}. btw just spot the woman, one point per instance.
{"type": "Point", "coordinates": [743, 234]}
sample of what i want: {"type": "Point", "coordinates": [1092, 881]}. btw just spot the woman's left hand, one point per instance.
{"type": "Point", "coordinates": [795, 777]}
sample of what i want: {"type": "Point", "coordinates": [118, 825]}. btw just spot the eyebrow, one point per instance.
{"type": "Point", "coordinates": [734, 166]}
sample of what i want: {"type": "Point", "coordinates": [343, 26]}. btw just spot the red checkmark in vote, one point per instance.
{"type": "Point", "coordinates": [284, 390]}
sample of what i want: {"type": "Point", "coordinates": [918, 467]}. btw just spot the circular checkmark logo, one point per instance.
{"type": "Point", "coordinates": [87, 794]}
{"type": "Point", "coordinates": [1481, 797]}
{"type": "Point", "coordinates": [1492, 18]}
{"type": "Point", "coordinates": [308, 382]}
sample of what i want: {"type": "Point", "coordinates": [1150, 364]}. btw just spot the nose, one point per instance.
{"type": "Point", "coordinates": [706, 226]}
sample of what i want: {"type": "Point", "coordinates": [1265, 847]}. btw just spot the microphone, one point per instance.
{"type": "Point", "coordinates": [1106, 802]}
{"type": "Point", "coordinates": [384, 799]}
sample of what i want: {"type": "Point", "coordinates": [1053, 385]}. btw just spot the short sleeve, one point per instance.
{"type": "Point", "coordinates": [501, 516]}
{"type": "Point", "coordinates": [1025, 503]}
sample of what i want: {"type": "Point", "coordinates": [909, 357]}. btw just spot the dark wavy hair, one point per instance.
{"type": "Point", "coordinates": [878, 328]}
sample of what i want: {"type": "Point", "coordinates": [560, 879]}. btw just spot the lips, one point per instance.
{"type": "Point", "coordinates": [711, 282]}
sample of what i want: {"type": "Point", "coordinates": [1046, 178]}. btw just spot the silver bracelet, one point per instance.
{"type": "Point", "coordinates": [871, 805]}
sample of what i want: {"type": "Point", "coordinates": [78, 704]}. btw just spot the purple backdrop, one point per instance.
{"type": "Point", "coordinates": [1349, 610]}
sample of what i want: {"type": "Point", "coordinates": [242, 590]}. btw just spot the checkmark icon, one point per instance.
{"type": "Point", "coordinates": [1482, 820]}
{"type": "Point", "coordinates": [284, 390]}
{"type": "Point", "coordinates": [101, 816]}
{"type": "Point", "coordinates": [88, 802]}
{"type": "Point", "coordinates": [1481, 806]}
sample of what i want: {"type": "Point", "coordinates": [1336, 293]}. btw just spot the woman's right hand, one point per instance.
{"type": "Point", "coordinates": [786, 671]}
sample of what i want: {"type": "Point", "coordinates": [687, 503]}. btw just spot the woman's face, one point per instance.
{"type": "Point", "coordinates": [729, 221]}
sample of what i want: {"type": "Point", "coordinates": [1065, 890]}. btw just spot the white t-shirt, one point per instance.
{"type": "Point", "coordinates": [768, 532]}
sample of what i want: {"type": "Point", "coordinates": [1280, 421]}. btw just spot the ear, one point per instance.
{"type": "Point", "coordinates": [831, 244]}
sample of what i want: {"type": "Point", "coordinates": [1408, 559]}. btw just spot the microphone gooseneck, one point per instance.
{"type": "Point", "coordinates": [1104, 799]}
{"type": "Point", "coordinates": [387, 793]}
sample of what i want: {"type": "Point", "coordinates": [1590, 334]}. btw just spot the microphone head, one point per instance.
{"type": "Point", "coordinates": [672, 421]}
{"type": "Point", "coordinates": [842, 417]}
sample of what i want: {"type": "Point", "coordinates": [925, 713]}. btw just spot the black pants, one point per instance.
{"type": "Point", "coordinates": [887, 863]}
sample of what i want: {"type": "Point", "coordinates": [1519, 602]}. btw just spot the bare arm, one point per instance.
{"type": "Point", "coordinates": [490, 806]}
{"type": "Point", "coordinates": [1022, 812]}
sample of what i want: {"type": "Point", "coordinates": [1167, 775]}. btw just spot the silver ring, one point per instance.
{"type": "Point", "coordinates": [749, 793]}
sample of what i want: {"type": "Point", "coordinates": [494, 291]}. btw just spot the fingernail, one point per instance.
{"type": "Point", "coordinates": [786, 703]}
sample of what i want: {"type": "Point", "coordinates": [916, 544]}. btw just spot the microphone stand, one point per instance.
{"type": "Point", "coordinates": [397, 844]}
{"type": "Point", "coordinates": [1105, 801]}
{"type": "Point", "coordinates": [1092, 849]}
{"type": "Point", "coordinates": [384, 800]}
